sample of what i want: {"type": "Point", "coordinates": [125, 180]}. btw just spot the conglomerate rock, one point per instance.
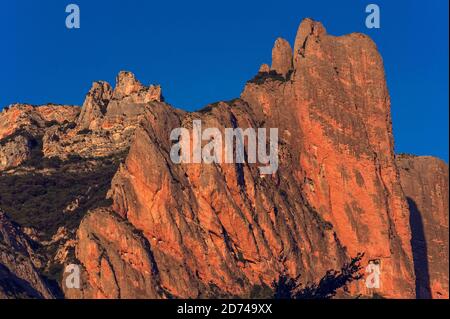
{"type": "Point", "coordinates": [337, 191]}
{"type": "Point", "coordinates": [225, 229]}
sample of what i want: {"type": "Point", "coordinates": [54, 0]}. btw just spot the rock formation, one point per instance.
{"type": "Point", "coordinates": [22, 127]}
{"type": "Point", "coordinates": [334, 115]}
{"type": "Point", "coordinates": [95, 104]}
{"type": "Point", "coordinates": [130, 89]}
{"type": "Point", "coordinates": [282, 57]}
{"type": "Point", "coordinates": [107, 121]}
{"type": "Point", "coordinates": [425, 183]}
{"type": "Point", "coordinates": [264, 68]}
{"type": "Point", "coordinates": [222, 230]}
{"type": "Point", "coordinates": [337, 191]}
{"type": "Point", "coordinates": [18, 275]}
{"type": "Point", "coordinates": [25, 116]}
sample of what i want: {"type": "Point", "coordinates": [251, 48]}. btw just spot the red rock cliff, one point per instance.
{"type": "Point", "coordinates": [425, 183]}
{"type": "Point", "coordinates": [201, 230]}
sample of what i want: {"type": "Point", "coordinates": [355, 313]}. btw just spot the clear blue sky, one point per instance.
{"type": "Point", "coordinates": [204, 51]}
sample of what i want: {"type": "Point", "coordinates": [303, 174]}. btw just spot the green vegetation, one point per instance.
{"type": "Point", "coordinates": [261, 292]}
{"type": "Point", "coordinates": [326, 288]}
{"type": "Point", "coordinates": [262, 77]}
{"type": "Point", "coordinates": [14, 135]}
{"type": "Point", "coordinates": [34, 199]}
{"type": "Point", "coordinates": [13, 287]}
{"type": "Point", "coordinates": [68, 126]}
{"type": "Point", "coordinates": [84, 132]}
{"type": "Point", "coordinates": [51, 123]}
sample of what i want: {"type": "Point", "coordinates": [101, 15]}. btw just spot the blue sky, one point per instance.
{"type": "Point", "coordinates": [205, 51]}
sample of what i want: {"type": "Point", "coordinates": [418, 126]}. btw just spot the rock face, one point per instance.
{"type": "Point", "coordinates": [18, 275]}
{"type": "Point", "coordinates": [25, 116]}
{"type": "Point", "coordinates": [22, 127]}
{"type": "Point", "coordinates": [222, 230]}
{"type": "Point", "coordinates": [337, 191]}
{"type": "Point", "coordinates": [308, 33]}
{"type": "Point", "coordinates": [425, 183]}
{"type": "Point", "coordinates": [57, 162]}
{"type": "Point", "coordinates": [107, 121]}
{"type": "Point", "coordinates": [334, 116]}
{"type": "Point", "coordinates": [95, 104]}
{"type": "Point", "coordinates": [113, 247]}
{"type": "Point", "coordinates": [130, 89]}
{"type": "Point", "coordinates": [282, 57]}
{"type": "Point", "coordinates": [14, 151]}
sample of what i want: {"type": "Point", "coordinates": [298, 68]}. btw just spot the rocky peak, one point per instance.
{"type": "Point", "coordinates": [128, 87]}
{"type": "Point", "coordinates": [337, 192]}
{"type": "Point", "coordinates": [336, 169]}
{"type": "Point", "coordinates": [153, 93]}
{"type": "Point", "coordinates": [308, 29]}
{"type": "Point", "coordinates": [95, 104]}
{"type": "Point", "coordinates": [126, 84]}
{"type": "Point", "coordinates": [282, 57]}
{"type": "Point", "coordinates": [107, 122]}
{"type": "Point", "coordinates": [264, 68]}
{"type": "Point", "coordinates": [331, 118]}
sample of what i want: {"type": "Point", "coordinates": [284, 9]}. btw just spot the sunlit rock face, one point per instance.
{"type": "Point", "coordinates": [225, 230]}
{"type": "Point", "coordinates": [337, 191]}
{"type": "Point", "coordinates": [282, 57]}
{"type": "Point", "coordinates": [22, 127]}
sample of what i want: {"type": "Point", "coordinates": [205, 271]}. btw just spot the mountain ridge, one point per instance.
{"type": "Point", "coordinates": [199, 230]}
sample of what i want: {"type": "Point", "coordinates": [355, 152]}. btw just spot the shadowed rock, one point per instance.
{"type": "Point", "coordinates": [425, 183]}
{"type": "Point", "coordinates": [18, 275]}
